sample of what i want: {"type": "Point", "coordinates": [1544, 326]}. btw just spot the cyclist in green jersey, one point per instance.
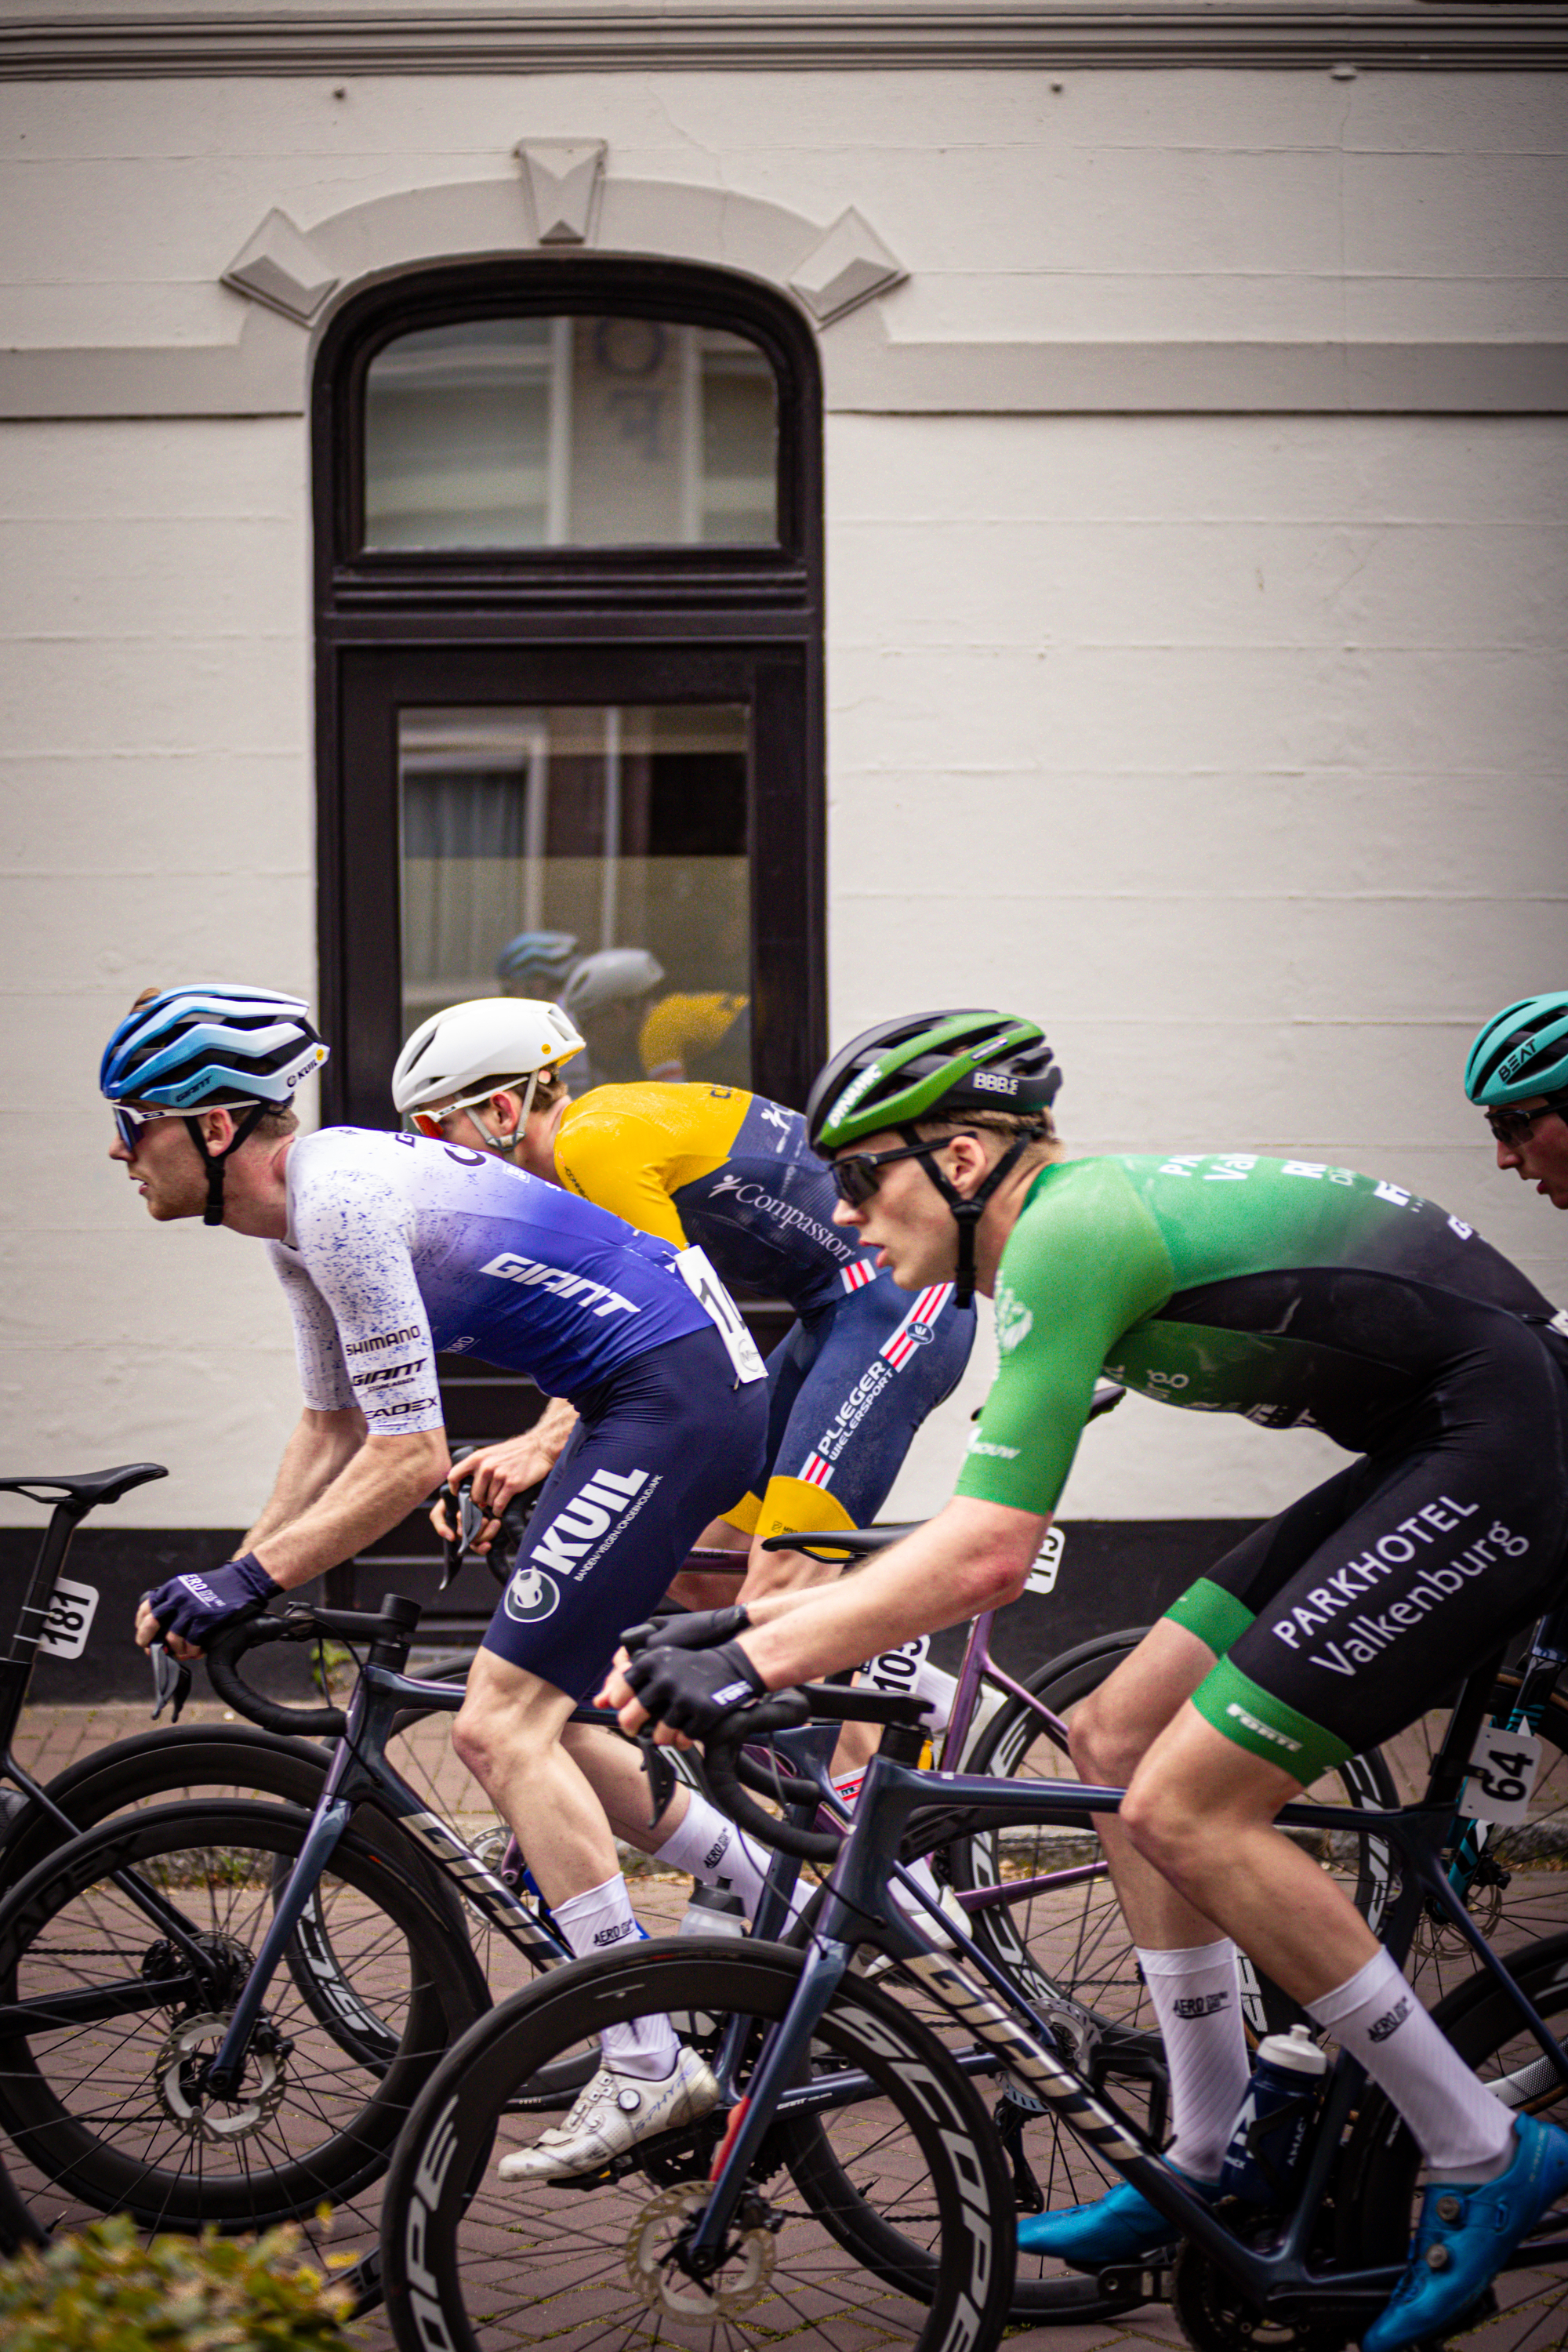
{"type": "Point", "coordinates": [1300, 1295]}
{"type": "Point", "coordinates": [1517, 1071]}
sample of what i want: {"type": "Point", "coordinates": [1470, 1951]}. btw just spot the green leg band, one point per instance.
{"type": "Point", "coordinates": [1241, 1712]}
{"type": "Point", "coordinates": [1211, 1612]}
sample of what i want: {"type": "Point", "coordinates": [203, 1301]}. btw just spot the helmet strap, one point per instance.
{"type": "Point", "coordinates": [967, 1213]}
{"type": "Point", "coordinates": [214, 1161]}
{"type": "Point", "coordinates": [505, 1145]}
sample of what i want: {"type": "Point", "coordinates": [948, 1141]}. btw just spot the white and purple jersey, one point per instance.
{"type": "Point", "coordinates": [398, 1246]}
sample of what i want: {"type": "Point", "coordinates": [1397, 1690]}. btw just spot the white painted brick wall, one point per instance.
{"type": "Point", "coordinates": [1234, 747]}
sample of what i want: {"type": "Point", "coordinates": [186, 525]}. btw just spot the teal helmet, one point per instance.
{"type": "Point", "coordinates": [1521, 1052]}
{"type": "Point", "coordinates": [931, 1062]}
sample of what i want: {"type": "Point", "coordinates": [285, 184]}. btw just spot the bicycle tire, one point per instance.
{"type": "Point", "coordinates": [470, 2263]}
{"type": "Point", "coordinates": [108, 2107]}
{"type": "Point", "coordinates": [208, 1763]}
{"type": "Point", "coordinates": [1381, 2162]}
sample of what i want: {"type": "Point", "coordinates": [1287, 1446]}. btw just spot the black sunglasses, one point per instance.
{"type": "Point", "coordinates": [856, 1175]}
{"type": "Point", "coordinates": [1511, 1127]}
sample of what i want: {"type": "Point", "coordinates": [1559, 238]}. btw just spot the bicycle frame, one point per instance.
{"type": "Point", "coordinates": [359, 1770]}
{"type": "Point", "coordinates": [1277, 2280]}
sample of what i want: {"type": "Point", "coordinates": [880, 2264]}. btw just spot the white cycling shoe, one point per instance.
{"type": "Point", "coordinates": [610, 2116]}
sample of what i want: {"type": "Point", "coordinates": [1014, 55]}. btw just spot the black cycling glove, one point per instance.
{"type": "Point", "coordinates": [702, 1628]}
{"type": "Point", "coordinates": [695, 1691]}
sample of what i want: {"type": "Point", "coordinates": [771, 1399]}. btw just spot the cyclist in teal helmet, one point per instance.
{"type": "Point", "coordinates": [1517, 1073]}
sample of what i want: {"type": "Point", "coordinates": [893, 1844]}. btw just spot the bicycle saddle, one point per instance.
{"type": "Point", "coordinates": [87, 1487]}
{"type": "Point", "coordinates": [838, 1543]}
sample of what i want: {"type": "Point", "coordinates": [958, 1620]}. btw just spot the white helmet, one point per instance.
{"type": "Point", "coordinates": [489, 1037]}
{"type": "Point", "coordinates": [610, 977]}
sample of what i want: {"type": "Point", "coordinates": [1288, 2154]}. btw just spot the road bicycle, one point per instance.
{"type": "Point", "coordinates": [746, 2222]}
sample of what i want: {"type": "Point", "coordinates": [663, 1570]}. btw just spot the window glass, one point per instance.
{"type": "Point", "coordinates": [621, 831]}
{"type": "Point", "coordinates": [582, 432]}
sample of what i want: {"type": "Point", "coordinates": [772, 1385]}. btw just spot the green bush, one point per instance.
{"type": "Point", "coordinates": [103, 2290]}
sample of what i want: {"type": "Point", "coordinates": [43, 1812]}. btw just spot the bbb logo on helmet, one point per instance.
{"type": "Point", "coordinates": [532, 1596]}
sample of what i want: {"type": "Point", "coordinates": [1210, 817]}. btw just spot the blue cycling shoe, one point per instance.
{"type": "Point", "coordinates": [1465, 2235]}
{"type": "Point", "coordinates": [1121, 2227]}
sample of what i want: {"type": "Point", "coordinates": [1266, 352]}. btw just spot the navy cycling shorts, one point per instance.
{"type": "Point", "coordinates": [664, 1445]}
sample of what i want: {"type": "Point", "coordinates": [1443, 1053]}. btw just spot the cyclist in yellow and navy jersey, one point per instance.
{"type": "Point", "coordinates": [732, 1173]}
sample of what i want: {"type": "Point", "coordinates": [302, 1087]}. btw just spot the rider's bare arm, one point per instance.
{"type": "Point", "coordinates": [384, 1479]}
{"type": "Point", "coordinates": [322, 1445]}
{"type": "Point", "coordinates": [972, 1556]}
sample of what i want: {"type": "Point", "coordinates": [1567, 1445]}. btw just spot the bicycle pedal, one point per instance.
{"type": "Point", "coordinates": [1131, 2282]}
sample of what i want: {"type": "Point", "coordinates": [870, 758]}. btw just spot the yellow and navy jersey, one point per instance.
{"type": "Point", "coordinates": [726, 1169]}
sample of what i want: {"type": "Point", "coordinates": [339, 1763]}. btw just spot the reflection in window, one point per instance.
{"type": "Point", "coordinates": [583, 432]}
{"type": "Point", "coordinates": [619, 831]}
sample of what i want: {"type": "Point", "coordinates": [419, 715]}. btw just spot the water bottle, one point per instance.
{"type": "Point", "coordinates": [1268, 2138]}
{"type": "Point", "coordinates": [713, 1911]}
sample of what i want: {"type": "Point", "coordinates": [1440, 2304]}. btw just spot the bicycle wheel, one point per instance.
{"type": "Point", "coordinates": [1068, 1936]}
{"type": "Point", "coordinates": [209, 1763]}
{"type": "Point", "coordinates": [1516, 1889]}
{"type": "Point", "coordinates": [471, 2260]}
{"type": "Point", "coordinates": [1377, 2205]}
{"type": "Point", "coordinates": [105, 2025]}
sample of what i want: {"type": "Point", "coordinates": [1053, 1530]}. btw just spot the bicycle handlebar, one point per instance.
{"type": "Point", "coordinates": [785, 1711]}
{"type": "Point", "coordinates": [392, 1623]}
{"type": "Point", "coordinates": [223, 1655]}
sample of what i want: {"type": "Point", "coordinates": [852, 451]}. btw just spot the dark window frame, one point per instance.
{"type": "Point", "coordinates": [670, 622]}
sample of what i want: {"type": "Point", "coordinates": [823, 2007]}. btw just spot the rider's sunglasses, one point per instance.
{"type": "Point", "coordinates": [1513, 1127]}
{"type": "Point", "coordinates": [433, 1123]}
{"type": "Point", "coordinates": [857, 1174]}
{"type": "Point", "coordinates": [128, 1123]}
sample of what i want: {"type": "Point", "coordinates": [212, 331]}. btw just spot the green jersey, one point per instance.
{"type": "Point", "coordinates": [1298, 1294]}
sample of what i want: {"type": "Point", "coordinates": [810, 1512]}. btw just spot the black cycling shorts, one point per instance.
{"type": "Point", "coordinates": [664, 1445]}
{"type": "Point", "coordinates": [1348, 1615]}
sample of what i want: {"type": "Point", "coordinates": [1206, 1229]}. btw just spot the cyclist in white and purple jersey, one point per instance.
{"type": "Point", "coordinates": [390, 1248]}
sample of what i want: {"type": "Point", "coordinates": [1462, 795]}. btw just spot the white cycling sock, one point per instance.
{"type": "Point", "coordinates": [1462, 2130]}
{"type": "Point", "coordinates": [1196, 1993]}
{"type": "Point", "coordinates": [596, 1922]}
{"type": "Point", "coordinates": [707, 1846]}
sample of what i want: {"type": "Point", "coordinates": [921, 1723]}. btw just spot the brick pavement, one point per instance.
{"type": "Point", "coordinates": [53, 1737]}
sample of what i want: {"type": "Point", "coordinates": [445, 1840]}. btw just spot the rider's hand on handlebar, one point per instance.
{"type": "Point", "coordinates": [187, 1610]}
{"type": "Point", "coordinates": [693, 1691]}
{"type": "Point", "coordinates": [699, 1629]}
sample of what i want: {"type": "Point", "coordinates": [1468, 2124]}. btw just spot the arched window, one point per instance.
{"type": "Point", "coordinates": [569, 610]}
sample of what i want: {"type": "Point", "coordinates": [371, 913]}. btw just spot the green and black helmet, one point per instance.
{"type": "Point", "coordinates": [929, 1063]}
{"type": "Point", "coordinates": [1522, 1052]}
{"type": "Point", "coordinates": [939, 1065]}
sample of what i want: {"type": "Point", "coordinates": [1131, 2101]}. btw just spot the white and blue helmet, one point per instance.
{"type": "Point", "coordinates": [210, 1046]}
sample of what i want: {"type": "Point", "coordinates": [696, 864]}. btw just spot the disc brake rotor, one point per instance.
{"type": "Point", "coordinates": [665, 2287]}
{"type": "Point", "coordinates": [176, 2071]}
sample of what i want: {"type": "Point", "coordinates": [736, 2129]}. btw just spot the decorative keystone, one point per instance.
{"type": "Point", "coordinates": [281, 269]}
{"type": "Point", "coordinates": [850, 264]}
{"type": "Point", "coordinates": [562, 179]}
